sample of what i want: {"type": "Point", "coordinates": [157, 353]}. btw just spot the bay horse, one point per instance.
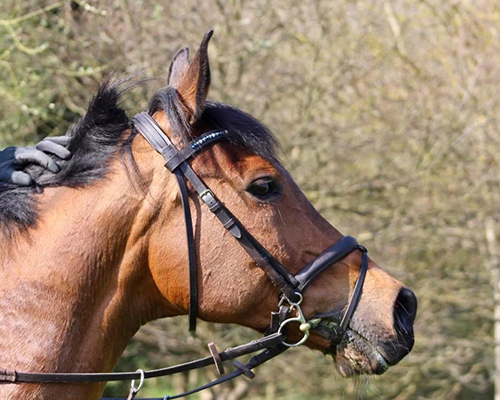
{"type": "Point", "coordinates": [94, 252]}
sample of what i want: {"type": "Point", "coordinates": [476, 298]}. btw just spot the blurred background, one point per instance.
{"type": "Point", "coordinates": [388, 112]}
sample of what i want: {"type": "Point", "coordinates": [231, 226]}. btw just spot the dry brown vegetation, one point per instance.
{"type": "Point", "coordinates": [388, 112]}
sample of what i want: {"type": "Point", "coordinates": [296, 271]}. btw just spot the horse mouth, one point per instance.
{"type": "Point", "coordinates": [354, 354]}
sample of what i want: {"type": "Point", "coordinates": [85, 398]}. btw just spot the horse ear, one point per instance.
{"type": "Point", "coordinates": [178, 67]}
{"type": "Point", "coordinates": [195, 82]}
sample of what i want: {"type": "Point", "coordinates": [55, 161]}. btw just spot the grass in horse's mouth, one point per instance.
{"type": "Point", "coordinates": [328, 329]}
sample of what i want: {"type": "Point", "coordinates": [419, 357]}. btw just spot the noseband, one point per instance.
{"type": "Point", "coordinates": [292, 287]}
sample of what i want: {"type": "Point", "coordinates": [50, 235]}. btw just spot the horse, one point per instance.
{"type": "Point", "coordinates": [94, 252]}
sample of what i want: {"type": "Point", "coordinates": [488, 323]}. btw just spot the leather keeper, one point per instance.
{"type": "Point", "coordinates": [7, 376]}
{"type": "Point", "coordinates": [216, 357]}
{"type": "Point", "coordinates": [243, 368]}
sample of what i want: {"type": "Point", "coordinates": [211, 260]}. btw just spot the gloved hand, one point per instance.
{"type": "Point", "coordinates": [12, 159]}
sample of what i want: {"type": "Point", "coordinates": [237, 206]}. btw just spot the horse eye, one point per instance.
{"type": "Point", "coordinates": [263, 188]}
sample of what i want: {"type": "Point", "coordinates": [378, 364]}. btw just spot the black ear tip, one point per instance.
{"type": "Point", "coordinates": [207, 37]}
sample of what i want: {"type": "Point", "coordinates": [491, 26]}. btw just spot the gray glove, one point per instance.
{"type": "Point", "coordinates": [12, 159]}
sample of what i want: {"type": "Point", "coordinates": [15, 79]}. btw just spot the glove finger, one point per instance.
{"type": "Point", "coordinates": [37, 157]}
{"type": "Point", "coordinates": [21, 178]}
{"type": "Point", "coordinates": [10, 175]}
{"type": "Point", "coordinates": [49, 146]}
{"type": "Point", "coordinates": [62, 140]}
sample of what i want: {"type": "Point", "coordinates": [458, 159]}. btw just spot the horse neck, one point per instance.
{"type": "Point", "coordinates": [76, 288]}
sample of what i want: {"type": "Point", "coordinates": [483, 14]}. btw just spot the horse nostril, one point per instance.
{"type": "Point", "coordinates": [405, 311]}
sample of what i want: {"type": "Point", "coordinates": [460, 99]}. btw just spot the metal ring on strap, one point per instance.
{"type": "Point", "coordinates": [304, 326]}
{"type": "Point", "coordinates": [134, 390]}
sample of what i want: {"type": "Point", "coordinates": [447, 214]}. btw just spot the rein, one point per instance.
{"type": "Point", "coordinates": [291, 286]}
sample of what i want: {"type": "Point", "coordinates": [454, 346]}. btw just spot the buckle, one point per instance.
{"type": "Point", "coordinates": [208, 197]}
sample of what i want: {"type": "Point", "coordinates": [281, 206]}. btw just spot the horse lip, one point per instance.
{"type": "Point", "coordinates": [324, 325]}
{"type": "Point", "coordinates": [382, 363]}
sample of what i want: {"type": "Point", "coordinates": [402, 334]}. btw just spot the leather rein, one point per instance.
{"type": "Point", "coordinates": [291, 286]}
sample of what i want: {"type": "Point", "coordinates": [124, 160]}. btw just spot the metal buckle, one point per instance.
{"type": "Point", "coordinates": [208, 197]}
{"type": "Point", "coordinates": [304, 326]}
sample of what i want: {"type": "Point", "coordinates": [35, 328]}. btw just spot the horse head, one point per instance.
{"type": "Point", "coordinates": [103, 248]}
{"type": "Point", "coordinates": [246, 175]}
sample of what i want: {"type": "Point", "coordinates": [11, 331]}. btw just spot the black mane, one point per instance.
{"type": "Point", "coordinates": [103, 134]}
{"type": "Point", "coordinates": [94, 139]}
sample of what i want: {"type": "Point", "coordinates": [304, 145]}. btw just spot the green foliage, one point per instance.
{"type": "Point", "coordinates": [388, 115]}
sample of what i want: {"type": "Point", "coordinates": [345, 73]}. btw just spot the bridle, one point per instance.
{"type": "Point", "coordinates": [291, 286]}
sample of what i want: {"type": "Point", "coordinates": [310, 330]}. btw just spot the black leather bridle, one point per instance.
{"type": "Point", "coordinates": [291, 286]}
